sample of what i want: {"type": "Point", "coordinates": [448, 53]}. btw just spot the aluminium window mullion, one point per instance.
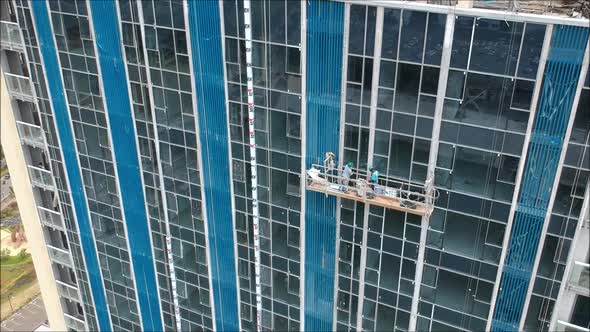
{"type": "Point", "coordinates": [467, 70]}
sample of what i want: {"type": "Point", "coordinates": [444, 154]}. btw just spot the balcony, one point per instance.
{"type": "Point", "coordinates": [50, 218]}
{"type": "Point", "coordinates": [10, 36]}
{"type": "Point", "coordinates": [19, 87]}
{"type": "Point", "coordinates": [59, 255]}
{"type": "Point", "coordinates": [579, 280]}
{"type": "Point", "coordinates": [31, 134]}
{"type": "Point", "coordinates": [74, 323]}
{"type": "Point", "coordinates": [562, 326]}
{"type": "Point", "coordinates": [67, 291]}
{"type": "Point", "coordinates": [41, 178]}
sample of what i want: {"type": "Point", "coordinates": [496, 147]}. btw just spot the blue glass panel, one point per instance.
{"type": "Point", "coordinates": [325, 25]}
{"type": "Point", "coordinates": [118, 107]}
{"type": "Point", "coordinates": [561, 77]}
{"type": "Point", "coordinates": [207, 59]}
{"type": "Point", "coordinates": [64, 131]}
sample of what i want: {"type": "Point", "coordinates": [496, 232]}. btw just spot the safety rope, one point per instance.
{"type": "Point", "coordinates": [254, 180]}
{"type": "Point", "coordinates": [162, 189]}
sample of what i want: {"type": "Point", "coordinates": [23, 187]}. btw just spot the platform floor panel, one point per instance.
{"type": "Point", "coordinates": [386, 202]}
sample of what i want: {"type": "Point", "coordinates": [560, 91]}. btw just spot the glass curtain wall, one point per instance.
{"type": "Point", "coordinates": [91, 132]}
{"type": "Point", "coordinates": [409, 61]}
{"type": "Point", "coordinates": [169, 83]}
{"type": "Point", "coordinates": [135, 63]}
{"type": "Point", "coordinates": [83, 311]}
{"type": "Point", "coordinates": [276, 34]}
{"type": "Point", "coordinates": [360, 59]}
{"type": "Point", "coordinates": [573, 182]}
{"type": "Point", "coordinates": [486, 111]}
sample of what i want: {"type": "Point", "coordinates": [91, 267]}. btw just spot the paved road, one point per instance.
{"type": "Point", "coordinates": [27, 318]}
{"type": "Point", "coordinates": [10, 222]}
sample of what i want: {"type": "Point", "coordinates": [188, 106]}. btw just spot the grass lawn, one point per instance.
{"type": "Point", "coordinates": [17, 278]}
{"type": "Point", "coordinates": [8, 261]}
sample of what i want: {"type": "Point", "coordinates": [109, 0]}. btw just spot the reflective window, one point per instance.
{"type": "Point", "coordinates": [79, 69]}
{"type": "Point", "coordinates": [277, 72]}
{"type": "Point", "coordinates": [70, 238]}
{"type": "Point", "coordinates": [581, 307]}
{"type": "Point", "coordinates": [170, 84]}
{"type": "Point", "coordinates": [485, 116]}
{"type": "Point", "coordinates": [412, 35]}
{"type": "Point", "coordinates": [531, 50]}
{"type": "Point", "coordinates": [496, 45]}
{"type": "Point", "coordinates": [391, 24]}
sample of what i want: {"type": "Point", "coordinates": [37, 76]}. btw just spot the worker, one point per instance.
{"type": "Point", "coordinates": [373, 180]}
{"type": "Point", "coordinates": [329, 163]}
{"type": "Point", "coordinates": [374, 176]}
{"type": "Point", "coordinates": [346, 174]}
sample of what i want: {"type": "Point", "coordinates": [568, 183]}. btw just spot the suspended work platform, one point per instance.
{"type": "Point", "coordinates": [397, 195]}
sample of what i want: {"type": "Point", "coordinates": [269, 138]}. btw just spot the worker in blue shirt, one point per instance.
{"type": "Point", "coordinates": [374, 176]}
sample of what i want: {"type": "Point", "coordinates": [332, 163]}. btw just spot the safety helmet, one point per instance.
{"type": "Point", "coordinates": [350, 164]}
{"type": "Point", "coordinates": [371, 168]}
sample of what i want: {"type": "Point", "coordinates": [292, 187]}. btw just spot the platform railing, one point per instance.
{"type": "Point", "coordinates": [409, 196]}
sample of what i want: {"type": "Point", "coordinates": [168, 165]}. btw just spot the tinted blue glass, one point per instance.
{"type": "Point", "coordinates": [370, 35]}
{"type": "Point", "coordinates": [408, 86]}
{"type": "Point", "coordinates": [277, 21]}
{"type": "Point", "coordinates": [531, 50]}
{"type": "Point", "coordinates": [293, 22]}
{"type": "Point", "coordinates": [582, 121]}
{"type": "Point", "coordinates": [412, 36]}
{"type": "Point", "coordinates": [390, 33]}
{"type": "Point", "coordinates": [495, 46]}
{"type": "Point", "coordinates": [324, 33]}
{"type": "Point", "coordinates": [356, 37]}
{"type": "Point", "coordinates": [461, 41]}
{"type": "Point", "coordinates": [387, 74]}
{"type": "Point", "coordinates": [229, 11]}
{"type": "Point", "coordinates": [455, 84]}
{"type": "Point", "coordinates": [523, 94]}
{"type": "Point", "coordinates": [434, 39]}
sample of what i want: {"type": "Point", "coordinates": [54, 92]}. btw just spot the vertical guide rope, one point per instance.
{"type": "Point", "coordinates": [254, 180]}
{"type": "Point", "coordinates": [166, 221]}
{"type": "Point", "coordinates": [173, 279]}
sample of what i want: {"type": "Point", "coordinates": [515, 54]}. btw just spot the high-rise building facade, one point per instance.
{"type": "Point", "coordinates": [133, 133]}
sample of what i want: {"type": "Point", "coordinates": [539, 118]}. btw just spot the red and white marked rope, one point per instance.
{"type": "Point", "coordinates": [254, 180]}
